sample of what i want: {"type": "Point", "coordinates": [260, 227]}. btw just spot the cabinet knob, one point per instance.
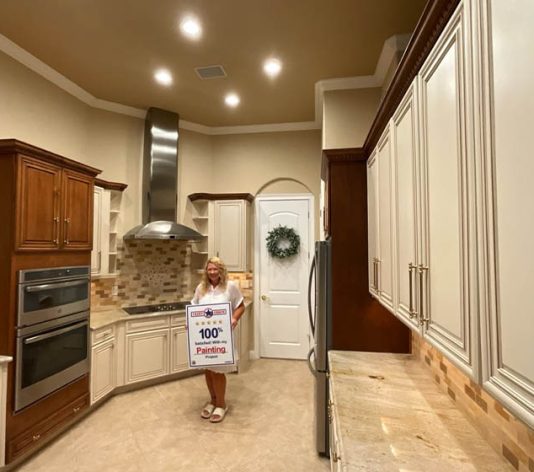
{"type": "Point", "coordinates": [264, 297]}
{"type": "Point", "coordinates": [36, 437]}
{"type": "Point", "coordinates": [76, 410]}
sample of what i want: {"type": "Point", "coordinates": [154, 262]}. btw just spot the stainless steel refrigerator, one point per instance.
{"type": "Point", "coordinates": [320, 314]}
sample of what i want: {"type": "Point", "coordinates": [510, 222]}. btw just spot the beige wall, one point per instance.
{"type": "Point", "coordinates": [195, 170]}
{"type": "Point", "coordinates": [347, 116]}
{"type": "Point", "coordinates": [35, 111]}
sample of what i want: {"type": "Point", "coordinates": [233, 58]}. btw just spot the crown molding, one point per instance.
{"type": "Point", "coordinates": [391, 46]}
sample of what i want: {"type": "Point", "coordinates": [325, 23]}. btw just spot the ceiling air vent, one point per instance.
{"type": "Point", "coordinates": [210, 72]}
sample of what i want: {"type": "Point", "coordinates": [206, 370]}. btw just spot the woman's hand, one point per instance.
{"type": "Point", "coordinates": [234, 322]}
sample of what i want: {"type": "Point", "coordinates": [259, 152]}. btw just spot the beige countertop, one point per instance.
{"type": "Point", "coordinates": [392, 417]}
{"type": "Point", "coordinates": [102, 318]}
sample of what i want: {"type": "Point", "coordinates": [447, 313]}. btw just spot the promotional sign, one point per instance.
{"type": "Point", "coordinates": [209, 335]}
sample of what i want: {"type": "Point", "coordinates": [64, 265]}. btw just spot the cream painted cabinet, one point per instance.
{"type": "Point", "coordinates": [103, 363]}
{"type": "Point", "coordinates": [405, 158]}
{"type": "Point", "coordinates": [147, 349]}
{"type": "Point", "coordinates": [379, 200]}
{"type": "Point", "coordinates": [426, 178]}
{"type": "Point", "coordinates": [106, 222]}
{"type": "Point", "coordinates": [179, 358]}
{"type": "Point", "coordinates": [385, 240]}
{"type": "Point", "coordinates": [230, 239]}
{"type": "Point", "coordinates": [507, 105]}
{"type": "Point", "coordinates": [447, 269]}
{"type": "Point", "coordinates": [372, 216]}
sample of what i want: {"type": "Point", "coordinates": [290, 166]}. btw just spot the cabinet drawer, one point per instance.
{"type": "Point", "coordinates": [147, 324]}
{"type": "Point", "coordinates": [177, 320]}
{"type": "Point", "coordinates": [103, 334]}
{"type": "Point", "coordinates": [27, 440]}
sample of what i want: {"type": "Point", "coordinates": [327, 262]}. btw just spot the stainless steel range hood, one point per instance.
{"type": "Point", "coordinates": [160, 177]}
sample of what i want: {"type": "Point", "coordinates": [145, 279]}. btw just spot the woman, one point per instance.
{"type": "Point", "coordinates": [215, 288]}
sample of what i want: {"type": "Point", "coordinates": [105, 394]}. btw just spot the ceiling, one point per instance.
{"type": "Point", "coordinates": [111, 49]}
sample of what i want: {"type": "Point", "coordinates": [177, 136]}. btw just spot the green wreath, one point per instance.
{"type": "Point", "coordinates": [278, 235]}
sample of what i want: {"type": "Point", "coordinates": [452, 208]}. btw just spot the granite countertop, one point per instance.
{"type": "Point", "coordinates": [101, 318]}
{"type": "Point", "coordinates": [391, 416]}
{"type": "Point", "coordinates": [5, 359]}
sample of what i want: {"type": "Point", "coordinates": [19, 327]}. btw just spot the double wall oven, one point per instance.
{"type": "Point", "coordinates": [52, 331]}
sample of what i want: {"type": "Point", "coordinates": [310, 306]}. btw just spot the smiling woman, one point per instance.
{"type": "Point", "coordinates": [216, 288]}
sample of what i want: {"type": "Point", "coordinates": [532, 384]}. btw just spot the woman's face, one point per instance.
{"type": "Point", "coordinates": [213, 273]}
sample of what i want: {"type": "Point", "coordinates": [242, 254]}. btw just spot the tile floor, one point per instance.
{"type": "Point", "coordinates": [269, 427]}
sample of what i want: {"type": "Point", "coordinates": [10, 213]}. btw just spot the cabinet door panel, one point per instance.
{"type": "Point", "coordinates": [103, 370]}
{"type": "Point", "coordinates": [405, 159]}
{"type": "Point", "coordinates": [38, 205]}
{"type": "Point", "coordinates": [147, 355]}
{"type": "Point", "coordinates": [508, 102]}
{"type": "Point", "coordinates": [179, 358]}
{"type": "Point", "coordinates": [77, 211]}
{"type": "Point", "coordinates": [447, 300]}
{"type": "Point", "coordinates": [385, 265]}
{"type": "Point", "coordinates": [372, 218]}
{"type": "Point", "coordinates": [230, 233]}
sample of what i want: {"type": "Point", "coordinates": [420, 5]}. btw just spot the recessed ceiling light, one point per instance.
{"type": "Point", "coordinates": [190, 27]}
{"type": "Point", "coordinates": [163, 77]}
{"type": "Point", "coordinates": [272, 67]}
{"type": "Point", "coordinates": [232, 100]}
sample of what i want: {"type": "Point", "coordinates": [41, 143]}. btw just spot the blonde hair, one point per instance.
{"type": "Point", "coordinates": [223, 274]}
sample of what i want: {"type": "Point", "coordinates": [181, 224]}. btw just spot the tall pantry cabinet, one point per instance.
{"type": "Point", "coordinates": [506, 220]}
{"type": "Point", "coordinates": [461, 200]}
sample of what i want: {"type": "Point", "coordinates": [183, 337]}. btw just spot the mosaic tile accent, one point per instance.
{"type": "Point", "coordinates": [151, 272]}
{"type": "Point", "coordinates": [148, 272]}
{"type": "Point", "coordinates": [507, 434]}
{"type": "Point", "coordinates": [245, 281]}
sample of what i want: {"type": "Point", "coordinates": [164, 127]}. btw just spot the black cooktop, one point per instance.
{"type": "Point", "coordinates": [141, 310]}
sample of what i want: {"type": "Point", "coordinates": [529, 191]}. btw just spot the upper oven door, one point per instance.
{"type": "Point", "coordinates": [40, 302]}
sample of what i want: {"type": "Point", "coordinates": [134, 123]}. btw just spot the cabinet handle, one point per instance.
{"type": "Point", "coordinates": [36, 437]}
{"type": "Point", "coordinates": [411, 268]}
{"type": "Point", "coordinates": [336, 457]}
{"type": "Point", "coordinates": [423, 319]}
{"type": "Point", "coordinates": [67, 221]}
{"type": "Point", "coordinates": [56, 226]}
{"type": "Point", "coordinates": [76, 410]}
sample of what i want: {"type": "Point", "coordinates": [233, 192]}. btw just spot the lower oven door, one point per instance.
{"type": "Point", "coordinates": [49, 356]}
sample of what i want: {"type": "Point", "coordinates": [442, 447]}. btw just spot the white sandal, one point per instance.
{"type": "Point", "coordinates": [207, 410]}
{"type": "Point", "coordinates": [218, 414]}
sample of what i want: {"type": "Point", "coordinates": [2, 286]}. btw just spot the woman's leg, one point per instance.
{"type": "Point", "coordinates": [219, 384]}
{"type": "Point", "coordinates": [210, 383]}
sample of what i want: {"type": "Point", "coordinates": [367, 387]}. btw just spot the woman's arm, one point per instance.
{"type": "Point", "coordinates": [238, 313]}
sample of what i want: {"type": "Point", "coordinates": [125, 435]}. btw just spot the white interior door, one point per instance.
{"type": "Point", "coordinates": [283, 312]}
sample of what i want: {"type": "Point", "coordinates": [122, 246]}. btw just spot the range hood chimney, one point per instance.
{"type": "Point", "coordinates": [160, 177]}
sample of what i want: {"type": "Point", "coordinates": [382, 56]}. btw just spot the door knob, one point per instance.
{"type": "Point", "coordinates": [264, 297]}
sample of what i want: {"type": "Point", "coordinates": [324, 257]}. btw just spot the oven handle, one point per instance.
{"type": "Point", "coordinates": [40, 288]}
{"type": "Point", "coordinates": [40, 337]}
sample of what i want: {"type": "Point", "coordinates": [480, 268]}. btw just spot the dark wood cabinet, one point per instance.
{"type": "Point", "coordinates": [359, 322]}
{"type": "Point", "coordinates": [46, 210]}
{"type": "Point", "coordinates": [77, 214]}
{"type": "Point", "coordinates": [54, 207]}
{"type": "Point", "coordinates": [38, 205]}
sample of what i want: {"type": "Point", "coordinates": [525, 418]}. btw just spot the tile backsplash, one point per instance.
{"type": "Point", "coordinates": [151, 272]}
{"type": "Point", "coordinates": [507, 434]}
{"type": "Point", "coordinates": [148, 272]}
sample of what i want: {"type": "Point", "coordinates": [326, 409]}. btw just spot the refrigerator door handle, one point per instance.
{"type": "Point", "coordinates": [312, 271]}
{"type": "Point", "coordinates": [311, 367]}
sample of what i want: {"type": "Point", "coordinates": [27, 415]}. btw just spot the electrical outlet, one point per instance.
{"type": "Point", "coordinates": [114, 290]}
